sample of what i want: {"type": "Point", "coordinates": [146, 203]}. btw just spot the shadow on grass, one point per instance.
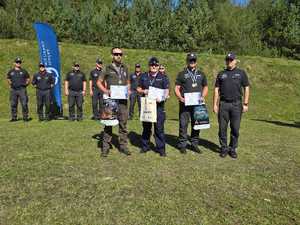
{"type": "Point", "coordinates": [172, 140]}
{"type": "Point", "coordinates": [114, 140]}
{"type": "Point", "coordinates": [136, 140]}
{"type": "Point", "coordinates": [280, 123]}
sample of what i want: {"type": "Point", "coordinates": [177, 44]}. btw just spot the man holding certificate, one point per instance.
{"type": "Point", "coordinates": [190, 89]}
{"type": "Point", "coordinates": [154, 85]}
{"type": "Point", "coordinates": [117, 85]}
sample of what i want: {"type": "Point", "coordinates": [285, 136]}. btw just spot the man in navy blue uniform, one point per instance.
{"type": "Point", "coordinates": [43, 82]}
{"type": "Point", "coordinates": [134, 96]}
{"type": "Point", "coordinates": [189, 80]}
{"type": "Point", "coordinates": [75, 87]}
{"type": "Point", "coordinates": [18, 79]}
{"type": "Point", "coordinates": [230, 86]}
{"type": "Point", "coordinates": [95, 92]}
{"type": "Point", "coordinates": [155, 79]}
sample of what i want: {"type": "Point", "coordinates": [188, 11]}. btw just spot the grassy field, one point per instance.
{"type": "Point", "coordinates": [51, 173]}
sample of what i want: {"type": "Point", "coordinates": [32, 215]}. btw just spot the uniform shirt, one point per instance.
{"type": "Point", "coordinates": [94, 76]}
{"type": "Point", "coordinates": [18, 78]}
{"type": "Point", "coordinates": [230, 83]}
{"type": "Point", "coordinates": [75, 79]}
{"type": "Point", "coordinates": [191, 81]}
{"type": "Point", "coordinates": [134, 81]}
{"type": "Point", "coordinates": [159, 81]}
{"type": "Point", "coordinates": [114, 75]}
{"type": "Point", "coordinates": [43, 81]}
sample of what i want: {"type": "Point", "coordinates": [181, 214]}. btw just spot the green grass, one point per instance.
{"type": "Point", "coordinates": [51, 173]}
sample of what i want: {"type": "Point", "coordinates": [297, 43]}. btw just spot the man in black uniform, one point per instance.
{"type": "Point", "coordinates": [75, 87]}
{"type": "Point", "coordinates": [18, 79]}
{"type": "Point", "coordinates": [227, 103]}
{"type": "Point", "coordinates": [189, 80]}
{"type": "Point", "coordinates": [134, 96]}
{"type": "Point", "coordinates": [115, 73]}
{"type": "Point", "coordinates": [43, 82]}
{"type": "Point", "coordinates": [154, 78]}
{"type": "Point", "coordinates": [95, 92]}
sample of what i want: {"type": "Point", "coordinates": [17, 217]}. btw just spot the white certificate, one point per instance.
{"type": "Point", "coordinates": [193, 98]}
{"type": "Point", "coordinates": [157, 93]}
{"type": "Point", "coordinates": [118, 91]}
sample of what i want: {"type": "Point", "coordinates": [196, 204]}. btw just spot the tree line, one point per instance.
{"type": "Point", "coordinates": [262, 27]}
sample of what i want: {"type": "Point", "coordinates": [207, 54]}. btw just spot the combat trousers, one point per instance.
{"type": "Point", "coordinates": [97, 103]}
{"type": "Point", "coordinates": [75, 98]}
{"type": "Point", "coordinates": [43, 99]}
{"type": "Point", "coordinates": [15, 95]}
{"type": "Point", "coordinates": [159, 134]}
{"type": "Point", "coordinates": [134, 96]}
{"type": "Point", "coordinates": [229, 112]}
{"type": "Point", "coordinates": [107, 134]}
{"type": "Point", "coordinates": [185, 114]}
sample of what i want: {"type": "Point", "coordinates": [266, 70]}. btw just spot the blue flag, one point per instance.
{"type": "Point", "coordinates": [50, 57]}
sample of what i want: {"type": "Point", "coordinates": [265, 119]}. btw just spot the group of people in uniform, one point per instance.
{"type": "Point", "coordinates": [230, 100]}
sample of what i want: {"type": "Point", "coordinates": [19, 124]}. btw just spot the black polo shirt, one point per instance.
{"type": "Point", "coordinates": [75, 79]}
{"type": "Point", "coordinates": [43, 80]}
{"type": "Point", "coordinates": [94, 76]}
{"type": "Point", "coordinates": [230, 83]}
{"type": "Point", "coordinates": [191, 81]}
{"type": "Point", "coordinates": [18, 78]}
{"type": "Point", "coordinates": [134, 81]}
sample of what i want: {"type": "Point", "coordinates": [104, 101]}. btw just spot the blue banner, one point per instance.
{"type": "Point", "coordinates": [50, 57]}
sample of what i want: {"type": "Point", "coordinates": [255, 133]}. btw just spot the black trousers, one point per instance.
{"type": "Point", "coordinates": [43, 99]}
{"type": "Point", "coordinates": [229, 112]}
{"type": "Point", "coordinates": [159, 133]}
{"type": "Point", "coordinates": [185, 115]}
{"type": "Point", "coordinates": [97, 102]}
{"type": "Point", "coordinates": [134, 96]}
{"type": "Point", "coordinates": [107, 134]}
{"type": "Point", "coordinates": [15, 96]}
{"type": "Point", "coordinates": [75, 98]}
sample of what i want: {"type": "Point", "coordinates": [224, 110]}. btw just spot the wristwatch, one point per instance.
{"type": "Point", "coordinates": [245, 104]}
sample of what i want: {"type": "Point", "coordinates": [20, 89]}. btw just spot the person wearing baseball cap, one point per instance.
{"type": "Point", "coordinates": [75, 88]}
{"type": "Point", "coordinates": [18, 79]}
{"type": "Point", "coordinates": [134, 96]}
{"type": "Point", "coordinates": [229, 104]}
{"type": "Point", "coordinates": [95, 92]}
{"type": "Point", "coordinates": [153, 78]}
{"type": "Point", "coordinates": [43, 82]}
{"type": "Point", "coordinates": [189, 80]}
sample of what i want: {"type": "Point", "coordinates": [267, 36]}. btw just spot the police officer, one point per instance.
{"type": "Point", "coordinates": [18, 79]}
{"type": "Point", "coordinates": [115, 74]}
{"type": "Point", "coordinates": [95, 92]}
{"type": "Point", "coordinates": [134, 96]}
{"type": "Point", "coordinates": [43, 82]}
{"type": "Point", "coordinates": [228, 104]}
{"type": "Point", "coordinates": [75, 87]}
{"type": "Point", "coordinates": [155, 79]}
{"type": "Point", "coordinates": [189, 80]}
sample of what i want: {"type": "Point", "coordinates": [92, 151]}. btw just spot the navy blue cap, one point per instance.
{"type": "Point", "coordinates": [137, 65]}
{"type": "Point", "coordinates": [153, 60]}
{"type": "Point", "coordinates": [191, 56]}
{"type": "Point", "coordinates": [18, 59]}
{"type": "Point", "coordinates": [230, 56]}
{"type": "Point", "coordinates": [41, 64]}
{"type": "Point", "coordinates": [98, 61]}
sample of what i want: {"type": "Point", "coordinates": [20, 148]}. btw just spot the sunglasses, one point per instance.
{"type": "Point", "coordinates": [192, 61]}
{"type": "Point", "coordinates": [117, 54]}
{"type": "Point", "coordinates": [18, 62]}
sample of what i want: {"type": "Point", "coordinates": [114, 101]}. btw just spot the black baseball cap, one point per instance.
{"type": "Point", "coordinates": [153, 61]}
{"type": "Point", "coordinates": [137, 65]}
{"type": "Point", "coordinates": [41, 64]}
{"type": "Point", "coordinates": [18, 60]}
{"type": "Point", "coordinates": [99, 61]}
{"type": "Point", "coordinates": [191, 57]}
{"type": "Point", "coordinates": [230, 56]}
